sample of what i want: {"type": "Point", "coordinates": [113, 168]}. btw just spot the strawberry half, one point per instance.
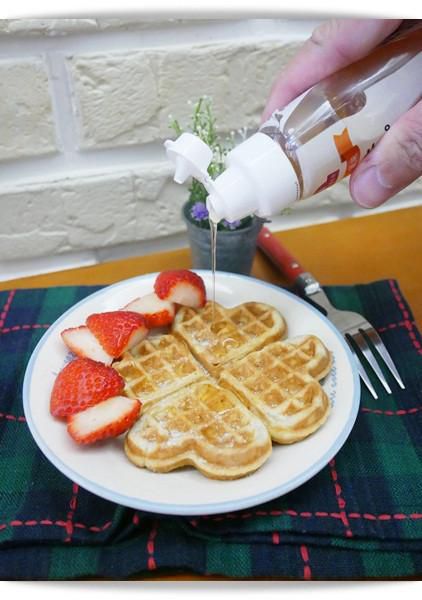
{"type": "Point", "coordinates": [108, 418]}
{"type": "Point", "coordinates": [85, 345]}
{"type": "Point", "coordinates": [157, 312]}
{"type": "Point", "coordinates": [118, 330]}
{"type": "Point", "coordinates": [182, 287]}
{"type": "Point", "coordinates": [82, 383]}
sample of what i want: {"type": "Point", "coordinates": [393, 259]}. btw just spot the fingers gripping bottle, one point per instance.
{"type": "Point", "coordinates": [314, 141]}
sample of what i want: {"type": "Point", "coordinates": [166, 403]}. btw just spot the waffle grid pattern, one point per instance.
{"type": "Point", "coordinates": [207, 411]}
{"type": "Point", "coordinates": [157, 367]}
{"type": "Point", "coordinates": [286, 394]}
{"type": "Point", "coordinates": [211, 417]}
{"type": "Point", "coordinates": [204, 426]}
{"type": "Point", "coordinates": [217, 335]}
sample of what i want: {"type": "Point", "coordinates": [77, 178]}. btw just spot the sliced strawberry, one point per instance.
{"type": "Point", "coordinates": [82, 383]}
{"type": "Point", "coordinates": [85, 345]}
{"type": "Point", "coordinates": [118, 330]}
{"type": "Point", "coordinates": [157, 312]}
{"type": "Point", "coordinates": [182, 287]}
{"type": "Point", "coordinates": [108, 418]}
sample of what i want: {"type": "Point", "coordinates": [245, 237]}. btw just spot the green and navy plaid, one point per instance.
{"type": "Point", "coordinates": [360, 517]}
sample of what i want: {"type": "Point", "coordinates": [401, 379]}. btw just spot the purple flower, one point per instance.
{"type": "Point", "coordinates": [231, 224]}
{"type": "Point", "coordinates": [199, 211]}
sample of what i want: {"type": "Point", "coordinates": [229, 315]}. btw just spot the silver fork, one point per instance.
{"type": "Point", "coordinates": [354, 327]}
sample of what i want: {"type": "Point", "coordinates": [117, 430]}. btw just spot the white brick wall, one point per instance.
{"type": "Point", "coordinates": [126, 98]}
{"type": "Point", "coordinates": [84, 108]}
{"type": "Point", "coordinates": [26, 119]}
{"type": "Point", "coordinates": [115, 98]}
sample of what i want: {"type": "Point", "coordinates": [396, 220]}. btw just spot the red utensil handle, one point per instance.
{"type": "Point", "coordinates": [281, 257]}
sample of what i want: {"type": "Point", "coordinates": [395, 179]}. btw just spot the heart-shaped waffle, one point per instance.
{"type": "Point", "coordinates": [189, 418]}
{"type": "Point", "coordinates": [157, 367]}
{"type": "Point", "coordinates": [202, 425]}
{"type": "Point", "coordinates": [280, 384]}
{"type": "Point", "coordinates": [217, 335]}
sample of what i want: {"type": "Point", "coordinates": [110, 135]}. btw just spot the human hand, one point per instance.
{"type": "Point", "coordinates": [396, 160]}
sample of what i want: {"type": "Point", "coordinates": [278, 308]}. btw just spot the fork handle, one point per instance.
{"type": "Point", "coordinates": [286, 263]}
{"type": "Point", "coordinates": [279, 255]}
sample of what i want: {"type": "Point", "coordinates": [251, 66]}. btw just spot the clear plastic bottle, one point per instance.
{"type": "Point", "coordinates": [314, 141]}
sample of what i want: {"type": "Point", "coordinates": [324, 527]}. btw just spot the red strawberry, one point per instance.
{"type": "Point", "coordinates": [108, 418]}
{"type": "Point", "coordinates": [157, 312]}
{"type": "Point", "coordinates": [85, 345]}
{"type": "Point", "coordinates": [181, 286]}
{"type": "Point", "coordinates": [118, 330]}
{"type": "Point", "coordinates": [82, 383]}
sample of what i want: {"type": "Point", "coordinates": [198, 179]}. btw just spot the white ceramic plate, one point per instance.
{"type": "Point", "coordinates": [104, 469]}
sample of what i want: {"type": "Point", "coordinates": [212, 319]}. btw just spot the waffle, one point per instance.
{"type": "Point", "coordinates": [202, 425]}
{"type": "Point", "coordinates": [280, 384]}
{"type": "Point", "coordinates": [157, 367]}
{"type": "Point", "coordinates": [218, 335]}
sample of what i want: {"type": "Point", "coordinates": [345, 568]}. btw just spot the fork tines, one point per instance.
{"type": "Point", "coordinates": [360, 337]}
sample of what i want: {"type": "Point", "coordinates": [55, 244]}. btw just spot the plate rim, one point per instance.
{"type": "Point", "coordinates": [190, 509]}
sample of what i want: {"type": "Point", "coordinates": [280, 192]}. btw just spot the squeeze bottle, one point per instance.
{"type": "Point", "coordinates": [314, 141]}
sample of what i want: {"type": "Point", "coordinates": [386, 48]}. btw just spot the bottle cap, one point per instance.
{"type": "Point", "coordinates": [191, 157]}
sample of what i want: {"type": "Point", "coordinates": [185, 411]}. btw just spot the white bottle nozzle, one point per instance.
{"type": "Point", "coordinates": [233, 196]}
{"type": "Point", "coordinates": [191, 157]}
{"type": "Point", "coordinates": [259, 178]}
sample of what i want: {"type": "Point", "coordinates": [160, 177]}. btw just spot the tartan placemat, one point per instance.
{"type": "Point", "coordinates": [360, 517]}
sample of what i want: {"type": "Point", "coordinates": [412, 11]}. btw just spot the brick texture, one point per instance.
{"type": "Point", "coordinates": [127, 98]}
{"type": "Point", "coordinates": [26, 118]}
{"type": "Point", "coordinates": [89, 212]}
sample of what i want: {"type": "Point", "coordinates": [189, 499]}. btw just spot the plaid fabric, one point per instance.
{"type": "Point", "coordinates": [360, 517]}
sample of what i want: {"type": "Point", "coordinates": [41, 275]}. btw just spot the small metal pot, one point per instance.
{"type": "Point", "coordinates": [235, 249]}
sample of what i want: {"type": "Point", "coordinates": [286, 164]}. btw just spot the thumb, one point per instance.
{"type": "Point", "coordinates": [395, 162]}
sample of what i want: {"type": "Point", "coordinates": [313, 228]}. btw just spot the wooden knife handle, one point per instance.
{"type": "Point", "coordinates": [277, 253]}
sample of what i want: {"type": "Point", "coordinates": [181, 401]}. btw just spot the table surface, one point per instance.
{"type": "Point", "coordinates": [357, 250]}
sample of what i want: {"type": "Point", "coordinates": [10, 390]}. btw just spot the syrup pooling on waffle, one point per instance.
{"type": "Point", "coordinates": [157, 367]}
{"type": "Point", "coordinates": [280, 384]}
{"type": "Point", "coordinates": [202, 425]}
{"type": "Point", "coordinates": [221, 335]}
{"type": "Point", "coordinates": [191, 419]}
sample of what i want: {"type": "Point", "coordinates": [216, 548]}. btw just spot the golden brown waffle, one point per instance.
{"type": "Point", "coordinates": [156, 367]}
{"type": "Point", "coordinates": [218, 335]}
{"type": "Point", "coordinates": [190, 419]}
{"type": "Point", "coordinates": [280, 384]}
{"type": "Point", "coordinates": [202, 425]}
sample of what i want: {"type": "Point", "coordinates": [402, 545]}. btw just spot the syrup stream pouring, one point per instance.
{"type": "Point", "coordinates": [354, 327]}
{"type": "Point", "coordinates": [191, 157]}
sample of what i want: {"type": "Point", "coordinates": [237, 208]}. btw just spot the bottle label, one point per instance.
{"type": "Point", "coordinates": [336, 150]}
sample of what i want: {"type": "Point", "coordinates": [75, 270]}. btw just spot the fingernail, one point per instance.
{"type": "Point", "coordinates": [369, 189]}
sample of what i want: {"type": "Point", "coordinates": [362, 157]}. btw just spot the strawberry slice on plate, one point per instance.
{"type": "Point", "coordinates": [157, 312]}
{"type": "Point", "coordinates": [108, 418]}
{"type": "Point", "coordinates": [81, 384]}
{"type": "Point", "coordinates": [182, 287]}
{"type": "Point", "coordinates": [84, 344]}
{"type": "Point", "coordinates": [118, 330]}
